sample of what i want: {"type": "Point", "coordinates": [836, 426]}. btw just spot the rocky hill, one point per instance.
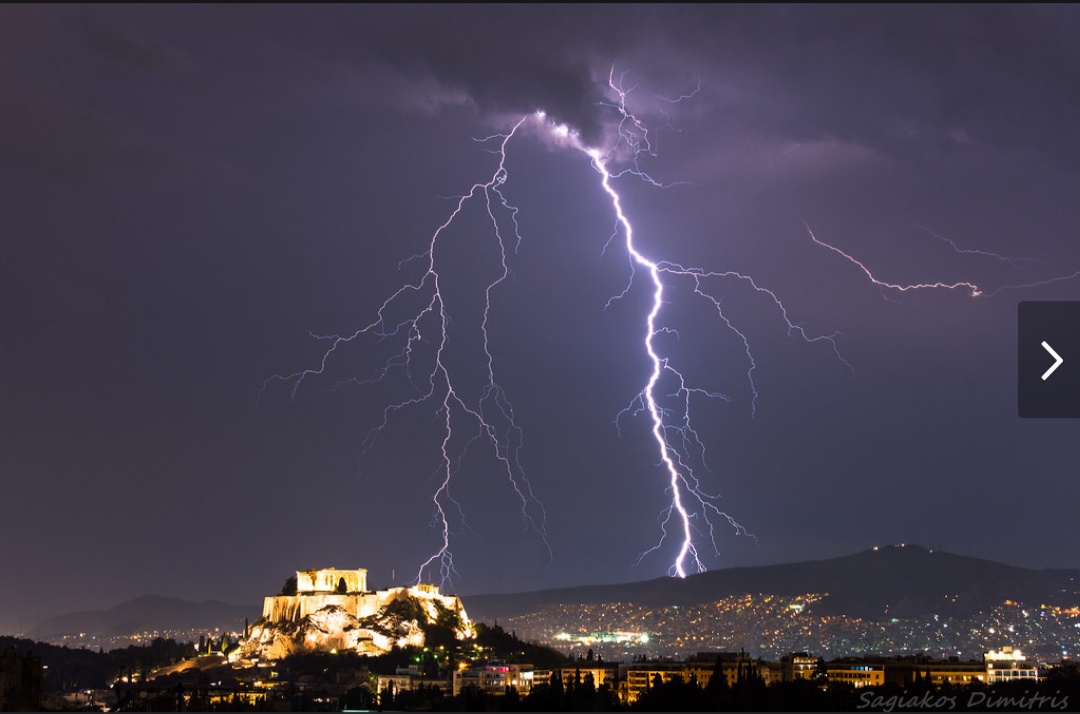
{"type": "Point", "coordinates": [366, 623]}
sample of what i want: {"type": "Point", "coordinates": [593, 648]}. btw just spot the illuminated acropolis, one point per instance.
{"type": "Point", "coordinates": [333, 609]}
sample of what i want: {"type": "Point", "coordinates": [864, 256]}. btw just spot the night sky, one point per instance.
{"type": "Point", "coordinates": [187, 192]}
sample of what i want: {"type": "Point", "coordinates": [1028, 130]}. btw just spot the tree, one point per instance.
{"type": "Point", "coordinates": [717, 680]}
{"type": "Point", "coordinates": [581, 696]}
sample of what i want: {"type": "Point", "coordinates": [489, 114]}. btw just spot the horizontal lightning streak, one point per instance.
{"type": "Point", "coordinates": [975, 290]}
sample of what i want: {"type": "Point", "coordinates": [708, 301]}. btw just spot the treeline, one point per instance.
{"type": "Point", "coordinates": [506, 645]}
{"type": "Point", "coordinates": [1060, 691]}
{"type": "Point", "coordinates": [580, 694]}
{"type": "Point", "coordinates": [68, 669]}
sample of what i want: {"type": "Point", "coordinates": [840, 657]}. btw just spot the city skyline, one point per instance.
{"type": "Point", "coordinates": [194, 192]}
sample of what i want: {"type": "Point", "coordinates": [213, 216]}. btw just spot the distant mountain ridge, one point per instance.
{"type": "Point", "coordinates": [147, 614]}
{"type": "Point", "coordinates": [899, 580]}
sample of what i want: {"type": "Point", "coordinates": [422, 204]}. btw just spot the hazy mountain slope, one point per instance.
{"type": "Point", "coordinates": [905, 581]}
{"type": "Point", "coordinates": [147, 613]}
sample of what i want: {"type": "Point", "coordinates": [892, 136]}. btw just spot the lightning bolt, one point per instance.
{"type": "Point", "coordinates": [973, 289]}
{"type": "Point", "coordinates": [1012, 262]}
{"type": "Point", "coordinates": [666, 398]}
{"type": "Point", "coordinates": [487, 416]}
{"type": "Point", "coordinates": [693, 512]}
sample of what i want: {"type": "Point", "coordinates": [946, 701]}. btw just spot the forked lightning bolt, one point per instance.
{"type": "Point", "coordinates": [693, 509]}
{"type": "Point", "coordinates": [487, 416]}
{"type": "Point", "coordinates": [691, 516]}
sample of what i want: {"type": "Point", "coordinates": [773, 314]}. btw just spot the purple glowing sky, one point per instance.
{"type": "Point", "coordinates": [187, 192]}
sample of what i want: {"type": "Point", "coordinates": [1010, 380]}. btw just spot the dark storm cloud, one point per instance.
{"type": "Point", "coordinates": [901, 79]}
{"type": "Point", "coordinates": [904, 80]}
{"type": "Point", "coordinates": [504, 60]}
{"type": "Point", "coordinates": [908, 81]}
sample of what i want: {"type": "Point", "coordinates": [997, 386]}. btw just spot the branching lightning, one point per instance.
{"type": "Point", "coordinates": [490, 413]}
{"type": "Point", "coordinates": [691, 517]}
{"type": "Point", "coordinates": [692, 512]}
{"type": "Point", "coordinates": [1012, 262]}
{"type": "Point", "coordinates": [973, 289]}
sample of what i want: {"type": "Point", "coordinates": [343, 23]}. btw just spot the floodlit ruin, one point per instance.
{"type": "Point", "coordinates": [332, 609]}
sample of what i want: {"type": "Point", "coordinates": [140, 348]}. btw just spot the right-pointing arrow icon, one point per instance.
{"type": "Point", "coordinates": [1057, 360]}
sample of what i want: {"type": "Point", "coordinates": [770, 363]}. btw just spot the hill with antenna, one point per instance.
{"type": "Point", "coordinates": [897, 580]}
